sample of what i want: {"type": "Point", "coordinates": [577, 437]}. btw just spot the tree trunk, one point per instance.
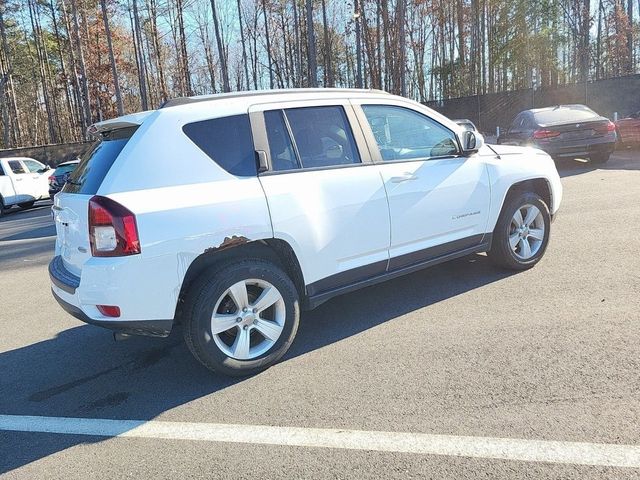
{"type": "Point", "coordinates": [244, 48]}
{"type": "Point", "coordinates": [183, 48]}
{"type": "Point", "coordinates": [84, 83]}
{"type": "Point", "coordinates": [311, 46]}
{"type": "Point", "coordinates": [298, 50]}
{"type": "Point", "coordinates": [268, 39]}
{"type": "Point", "coordinates": [112, 58]}
{"type": "Point", "coordinates": [327, 48]}
{"type": "Point", "coordinates": [153, 11]}
{"type": "Point", "coordinates": [356, 17]}
{"type": "Point", "coordinates": [223, 59]}
{"type": "Point", "coordinates": [630, 35]}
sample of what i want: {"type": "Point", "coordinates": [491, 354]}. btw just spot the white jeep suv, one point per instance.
{"type": "Point", "coordinates": [230, 213]}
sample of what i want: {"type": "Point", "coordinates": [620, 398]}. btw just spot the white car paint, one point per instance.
{"type": "Point", "coordinates": [24, 187]}
{"type": "Point", "coordinates": [334, 219]}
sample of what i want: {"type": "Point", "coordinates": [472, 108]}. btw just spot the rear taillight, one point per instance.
{"type": "Point", "coordinates": [544, 133]}
{"type": "Point", "coordinates": [112, 229]}
{"type": "Point", "coordinates": [52, 179]}
{"type": "Point", "coordinates": [608, 128]}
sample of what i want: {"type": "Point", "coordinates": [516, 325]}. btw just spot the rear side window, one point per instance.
{"type": "Point", "coordinates": [322, 136]}
{"type": "Point", "coordinates": [16, 167]}
{"type": "Point", "coordinates": [310, 137]}
{"type": "Point", "coordinates": [96, 162]}
{"type": "Point", "coordinates": [227, 141]}
{"type": "Point", "coordinates": [283, 156]}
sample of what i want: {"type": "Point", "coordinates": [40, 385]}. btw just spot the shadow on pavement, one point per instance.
{"type": "Point", "coordinates": [82, 372]}
{"type": "Point", "coordinates": [626, 159]}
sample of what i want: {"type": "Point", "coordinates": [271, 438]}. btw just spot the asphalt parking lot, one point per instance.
{"type": "Point", "coordinates": [462, 350]}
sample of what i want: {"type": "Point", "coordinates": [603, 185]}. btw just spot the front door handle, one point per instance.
{"type": "Point", "coordinates": [404, 178]}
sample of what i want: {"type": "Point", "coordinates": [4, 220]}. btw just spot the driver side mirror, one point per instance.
{"type": "Point", "coordinates": [46, 168]}
{"type": "Point", "coordinates": [471, 142]}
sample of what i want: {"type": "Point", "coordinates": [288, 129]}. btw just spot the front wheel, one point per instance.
{"type": "Point", "coordinates": [522, 232]}
{"type": "Point", "coordinates": [242, 318]}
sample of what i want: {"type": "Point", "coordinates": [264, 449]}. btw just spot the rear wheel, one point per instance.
{"type": "Point", "coordinates": [600, 158]}
{"type": "Point", "coordinates": [26, 205]}
{"type": "Point", "coordinates": [522, 232]}
{"type": "Point", "coordinates": [2, 207]}
{"type": "Point", "coordinates": [241, 318]}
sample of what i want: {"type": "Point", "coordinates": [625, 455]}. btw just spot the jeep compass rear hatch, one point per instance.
{"type": "Point", "coordinates": [71, 205]}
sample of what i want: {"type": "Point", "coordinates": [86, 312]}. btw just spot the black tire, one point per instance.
{"type": "Point", "coordinates": [501, 252]}
{"type": "Point", "coordinates": [26, 205]}
{"type": "Point", "coordinates": [201, 299]}
{"type": "Point", "coordinates": [600, 158]}
{"type": "Point", "coordinates": [2, 207]}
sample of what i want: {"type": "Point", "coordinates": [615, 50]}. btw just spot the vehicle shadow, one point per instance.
{"type": "Point", "coordinates": [627, 159]}
{"type": "Point", "coordinates": [82, 372]}
{"type": "Point", "coordinates": [14, 213]}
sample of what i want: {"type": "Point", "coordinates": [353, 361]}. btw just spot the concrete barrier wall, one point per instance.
{"type": "Point", "coordinates": [52, 155]}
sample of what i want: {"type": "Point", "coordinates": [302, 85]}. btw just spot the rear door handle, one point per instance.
{"type": "Point", "coordinates": [404, 178]}
{"type": "Point", "coordinates": [18, 179]}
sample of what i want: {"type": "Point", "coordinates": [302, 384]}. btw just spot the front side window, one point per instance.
{"type": "Point", "coordinates": [16, 167]}
{"type": "Point", "coordinates": [403, 134]}
{"type": "Point", "coordinates": [33, 166]}
{"type": "Point", "coordinates": [310, 137]}
{"type": "Point", "coordinates": [227, 141]}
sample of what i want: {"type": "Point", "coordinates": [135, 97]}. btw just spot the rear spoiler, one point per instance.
{"type": "Point", "coordinates": [132, 120]}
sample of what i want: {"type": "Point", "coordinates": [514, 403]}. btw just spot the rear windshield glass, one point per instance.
{"type": "Point", "coordinates": [62, 169]}
{"type": "Point", "coordinates": [96, 162]}
{"type": "Point", "coordinates": [564, 115]}
{"type": "Point", "coordinates": [227, 141]}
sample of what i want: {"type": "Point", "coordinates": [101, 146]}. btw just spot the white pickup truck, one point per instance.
{"type": "Point", "coordinates": [22, 182]}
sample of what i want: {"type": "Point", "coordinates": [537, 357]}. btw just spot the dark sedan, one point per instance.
{"type": "Point", "coordinates": [60, 176]}
{"type": "Point", "coordinates": [564, 131]}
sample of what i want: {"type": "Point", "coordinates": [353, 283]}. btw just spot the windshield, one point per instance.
{"type": "Point", "coordinates": [62, 169]}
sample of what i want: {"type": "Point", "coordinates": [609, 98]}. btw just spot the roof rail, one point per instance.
{"type": "Point", "coordinates": [173, 102]}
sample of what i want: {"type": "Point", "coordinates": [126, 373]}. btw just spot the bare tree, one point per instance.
{"type": "Point", "coordinates": [311, 46]}
{"type": "Point", "coordinates": [112, 59]}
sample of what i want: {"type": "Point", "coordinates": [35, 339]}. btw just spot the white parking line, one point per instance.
{"type": "Point", "coordinates": [417, 443]}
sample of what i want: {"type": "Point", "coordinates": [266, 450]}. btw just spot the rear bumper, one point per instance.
{"type": "Point", "coordinates": [150, 328]}
{"type": "Point", "coordinates": [561, 150]}
{"type": "Point", "coordinates": [66, 290]}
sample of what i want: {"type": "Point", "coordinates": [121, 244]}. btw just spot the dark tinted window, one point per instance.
{"type": "Point", "coordinates": [564, 115]}
{"type": "Point", "coordinates": [96, 162]}
{"type": "Point", "coordinates": [404, 134]}
{"type": "Point", "coordinates": [227, 141]}
{"type": "Point", "coordinates": [16, 167]}
{"type": "Point", "coordinates": [322, 136]}
{"type": "Point", "coordinates": [62, 169]}
{"type": "Point", "coordinates": [281, 150]}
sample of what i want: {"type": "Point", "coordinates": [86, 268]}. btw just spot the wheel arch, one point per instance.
{"type": "Point", "coordinates": [540, 186]}
{"type": "Point", "coordinates": [271, 249]}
